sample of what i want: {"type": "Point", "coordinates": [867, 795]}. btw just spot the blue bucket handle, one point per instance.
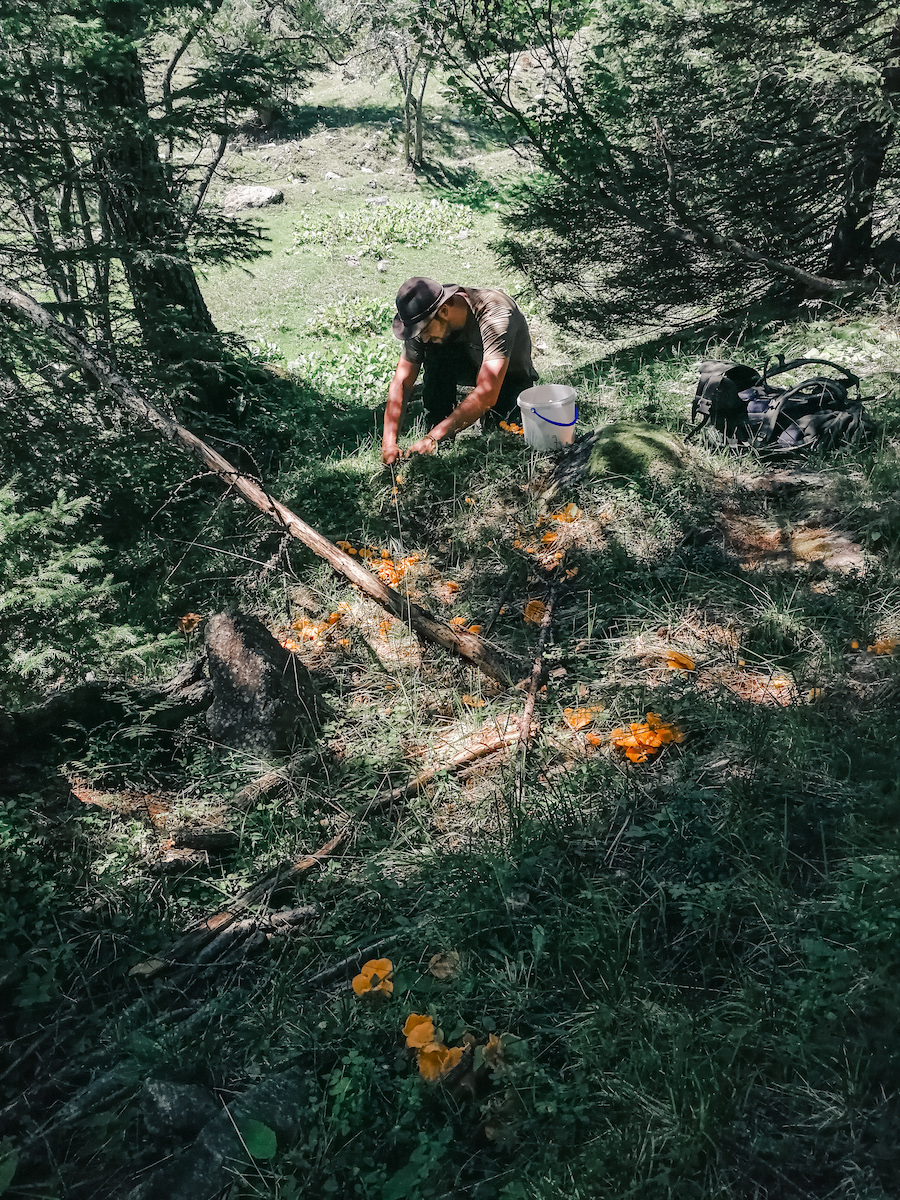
{"type": "Point", "coordinates": [561, 424]}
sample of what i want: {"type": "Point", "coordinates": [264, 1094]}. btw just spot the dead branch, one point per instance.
{"type": "Point", "coordinates": [534, 682]}
{"type": "Point", "coordinates": [491, 740]}
{"type": "Point", "coordinates": [197, 939]}
{"type": "Point", "coordinates": [350, 964]}
{"type": "Point", "coordinates": [468, 645]}
{"type": "Point", "coordinates": [259, 788]}
{"type": "Point", "coordinates": [216, 840]}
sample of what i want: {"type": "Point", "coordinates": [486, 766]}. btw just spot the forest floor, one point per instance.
{"type": "Point", "coordinates": [669, 975]}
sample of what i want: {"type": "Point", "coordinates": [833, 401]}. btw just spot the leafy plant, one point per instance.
{"type": "Point", "coordinates": [375, 230]}
{"type": "Point", "coordinates": [361, 373]}
{"type": "Point", "coordinates": [352, 316]}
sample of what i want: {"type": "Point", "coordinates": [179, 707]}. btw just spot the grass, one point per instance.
{"type": "Point", "coordinates": [692, 961]}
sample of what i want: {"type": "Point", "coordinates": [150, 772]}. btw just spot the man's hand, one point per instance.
{"type": "Point", "coordinates": [398, 394]}
{"type": "Point", "coordinates": [427, 445]}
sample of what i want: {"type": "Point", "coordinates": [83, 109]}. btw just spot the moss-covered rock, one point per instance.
{"type": "Point", "coordinates": [631, 448]}
{"type": "Point", "coordinates": [624, 449]}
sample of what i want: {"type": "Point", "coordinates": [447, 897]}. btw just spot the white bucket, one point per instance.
{"type": "Point", "coordinates": [549, 414]}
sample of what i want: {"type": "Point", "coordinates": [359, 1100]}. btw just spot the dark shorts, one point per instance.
{"type": "Point", "coordinates": [448, 367]}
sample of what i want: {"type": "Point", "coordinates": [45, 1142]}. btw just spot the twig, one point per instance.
{"type": "Point", "coordinates": [537, 671]}
{"type": "Point", "coordinates": [352, 961]}
{"type": "Point", "coordinates": [33, 1048]}
{"type": "Point", "coordinates": [498, 607]}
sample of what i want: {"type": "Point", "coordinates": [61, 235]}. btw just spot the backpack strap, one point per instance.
{"type": "Point", "coordinates": [781, 366]}
{"type": "Point", "coordinates": [695, 428]}
{"type": "Point", "coordinates": [766, 430]}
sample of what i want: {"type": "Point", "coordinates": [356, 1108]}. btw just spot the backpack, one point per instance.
{"type": "Point", "coordinates": [744, 410]}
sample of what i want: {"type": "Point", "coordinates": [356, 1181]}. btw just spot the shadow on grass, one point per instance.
{"type": "Point", "coordinates": [747, 331]}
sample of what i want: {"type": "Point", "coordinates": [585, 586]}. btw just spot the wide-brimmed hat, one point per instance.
{"type": "Point", "coordinates": [417, 302]}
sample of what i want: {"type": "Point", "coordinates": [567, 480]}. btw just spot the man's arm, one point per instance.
{"type": "Point", "coordinates": [398, 393]}
{"type": "Point", "coordinates": [476, 404]}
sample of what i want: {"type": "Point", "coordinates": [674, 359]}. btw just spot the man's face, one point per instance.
{"type": "Point", "coordinates": [437, 328]}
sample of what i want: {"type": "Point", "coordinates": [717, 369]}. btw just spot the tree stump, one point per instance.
{"type": "Point", "coordinates": [264, 700]}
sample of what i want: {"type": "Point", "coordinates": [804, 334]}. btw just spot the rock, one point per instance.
{"type": "Point", "coordinates": [331, 175]}
{"type": "Point", "coordinates": [205, 1169]}
{"type": "Point", "coordinates": [263, 696]}
{"type": "Point", "coordinates": [251, 197]}
{"type": "Point", "coordinates": [383, 264]}
{"type": "Point", "coordinates": [176, 1108]}
{"type": "Point", "coordinates": [378, 200]}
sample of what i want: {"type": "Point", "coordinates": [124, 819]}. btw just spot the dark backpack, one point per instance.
{"type": "Point", "coordinates": [743, 409]}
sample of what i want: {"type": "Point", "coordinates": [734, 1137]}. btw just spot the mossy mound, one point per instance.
{"type": "Point", "coordinates": [625, 449]}
{"type": "Point", "coordinates": [631, 448]}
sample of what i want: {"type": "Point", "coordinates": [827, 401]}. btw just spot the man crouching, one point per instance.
{"type": "Point", "coordinates": [462, 336]}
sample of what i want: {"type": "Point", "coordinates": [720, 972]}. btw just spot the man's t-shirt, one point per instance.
{"type": "Point", "coordinates": [495, 328]}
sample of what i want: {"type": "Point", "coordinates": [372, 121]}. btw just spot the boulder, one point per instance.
{"type": "Point", "coordinates": [251, 197]}
{"type": "Point", "coordinates": [205, 1169]}
{"type": "Point", "coordinates": [263, 696]}
{"type": "Point", "coordinates": [176, 1108]}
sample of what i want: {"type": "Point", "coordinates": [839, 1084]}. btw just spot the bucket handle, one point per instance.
{"type": "Point", "coordinates": [561, 424]}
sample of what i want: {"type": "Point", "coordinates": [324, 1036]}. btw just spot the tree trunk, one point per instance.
{"type": "Point", "coordinates": [408, 105]}
{"type": "Point", "coordinates": [420, 118]}
{"type": "Point", "coordinates": [850, 253]}
{"type": "Point", "coordinates": [143, 218]}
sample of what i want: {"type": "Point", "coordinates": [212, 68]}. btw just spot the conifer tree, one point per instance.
{"type": "Point", "coordinates": [689, 156]}
{"type": "Point", "coordinates": [114, 117]}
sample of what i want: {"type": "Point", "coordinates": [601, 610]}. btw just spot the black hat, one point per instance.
{"type": "Point", "coordinates": [417, 302]}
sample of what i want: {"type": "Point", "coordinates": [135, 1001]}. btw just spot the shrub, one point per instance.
{"type": "Point", "coordinates": [57, 618]}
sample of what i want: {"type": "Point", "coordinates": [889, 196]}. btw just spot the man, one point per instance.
{"type": "Point", "coordinates": [461, 335]}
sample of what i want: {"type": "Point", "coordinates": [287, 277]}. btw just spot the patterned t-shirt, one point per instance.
{"type": "Point", "coordinates": [495, 328]}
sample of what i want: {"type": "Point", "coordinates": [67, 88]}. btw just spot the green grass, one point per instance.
{"type": "Point", "coordinates": [281, 293]}
{"type": "Point", "coordinates": [693, 960]}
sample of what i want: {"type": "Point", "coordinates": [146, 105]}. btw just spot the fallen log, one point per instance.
{"type": "Point", "coordinates": [420, 620]}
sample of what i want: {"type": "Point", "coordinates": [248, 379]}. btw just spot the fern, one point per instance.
{"type": "Point", "coordinates": [58, 601]}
